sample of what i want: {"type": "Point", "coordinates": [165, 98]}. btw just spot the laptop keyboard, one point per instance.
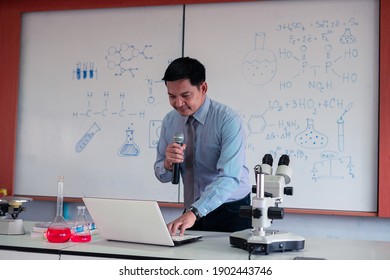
{"type": "Point", "coordinates": [181, 237]}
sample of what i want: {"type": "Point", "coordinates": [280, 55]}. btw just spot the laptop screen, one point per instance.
{"type": "Point", "coordinates": [138, 221]}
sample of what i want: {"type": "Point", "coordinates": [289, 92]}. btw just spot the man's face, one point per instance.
{"type": "Point", "coordinates": [186, 98]}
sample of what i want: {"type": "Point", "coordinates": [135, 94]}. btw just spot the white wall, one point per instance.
{"type": "Point", "coordinates": [328, 226]}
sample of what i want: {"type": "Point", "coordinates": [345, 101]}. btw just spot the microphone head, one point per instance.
{"type": "Point", "coordinates": [178, 138]}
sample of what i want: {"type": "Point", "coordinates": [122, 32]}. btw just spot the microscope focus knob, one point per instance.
{"type": "Point", "coordinates": [256, 213]}
{"type": "Point", "coordinates": [245, 211]}
{"type": "Point", "coordinates": [275, 213]}
{"type": "Point", "coordinates": [288, 190]}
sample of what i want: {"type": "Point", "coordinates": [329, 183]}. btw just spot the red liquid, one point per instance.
{"type": "Point", "coordinates": [81, 238]}
{"type": "Point", "coordinates": [58, 235]}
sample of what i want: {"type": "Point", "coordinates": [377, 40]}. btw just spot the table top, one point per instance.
{"type": "Point", "coordinates": [213, 245]}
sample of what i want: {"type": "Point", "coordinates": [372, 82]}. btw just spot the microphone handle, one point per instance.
{"type": "Point", "coordinates": [175, 173]}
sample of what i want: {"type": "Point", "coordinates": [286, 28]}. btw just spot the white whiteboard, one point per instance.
{"type": "Point", "coordinates": [97, 73]}
{"type": "Point", "coordinates": [91, 100]}
{"type": "Point", "coordinates": [295, 69]}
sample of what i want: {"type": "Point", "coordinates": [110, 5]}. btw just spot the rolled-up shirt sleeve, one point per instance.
{"type": "Point", "coordinates": [162, 174]}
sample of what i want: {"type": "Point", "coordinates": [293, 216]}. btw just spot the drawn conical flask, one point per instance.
{"type": "Point", "coordinates": [347, 37]}
{"type": "Point", "coordinates": [59, 230]}
{"type": "Point", "coordinates": [80, 231]}
{"type": "Point", "coordinates": [310, 138]}
{"type": "Point", "coordinates": [129, 148]}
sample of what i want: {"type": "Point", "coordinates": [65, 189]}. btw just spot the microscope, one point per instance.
{"type": "Point", "coordinates": [269, 191]}
{"type": "Point", "coordinates": [10, 208]}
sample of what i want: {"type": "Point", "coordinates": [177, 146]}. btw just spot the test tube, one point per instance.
{"type": "Point", "coordinates": [87, 137]}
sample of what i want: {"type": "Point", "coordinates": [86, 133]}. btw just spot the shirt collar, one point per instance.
{"type": "Point", "coordinates": [201, 114]}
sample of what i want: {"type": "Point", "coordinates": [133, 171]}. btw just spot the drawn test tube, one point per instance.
{"type": "Point", "coordinates": [85, 71]}
{"type": "Point", "coordinates": [340, 125]}
{"type": "Point", "coordinates": [340, 128]}
{"type": "Point", "coordinates": [91, 70]}
{"type": "Point", "coordinates": [83, 142]}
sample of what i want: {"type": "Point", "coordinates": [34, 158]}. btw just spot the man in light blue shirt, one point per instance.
{"type": "Point", "coordinates": [221, 179]}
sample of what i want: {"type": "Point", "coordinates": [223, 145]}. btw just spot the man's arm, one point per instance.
{"type": "Point", "coordinates": [162, 173]}
{"type": "Point", "coordinates": [230, 166]}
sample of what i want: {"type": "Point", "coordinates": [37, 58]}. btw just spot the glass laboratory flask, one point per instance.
{"type": "Point", "coordinates": [59, 230]}
{"type": "Point", "coordinates": [80, 231]}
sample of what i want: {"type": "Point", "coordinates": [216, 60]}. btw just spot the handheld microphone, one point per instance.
{"type": "Point", "coordinates": [179, 139]}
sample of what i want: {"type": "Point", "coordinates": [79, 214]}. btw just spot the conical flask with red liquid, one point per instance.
{"type": "Point", "coordinates": [80, 231]}
{"type": "Point", "coordinates": [59, 230]}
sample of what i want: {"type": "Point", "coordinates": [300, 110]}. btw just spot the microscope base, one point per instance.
{"type": "Point", "coordinates": [273, 241]}
{"type": "Point", "coordinates": [11, 226]}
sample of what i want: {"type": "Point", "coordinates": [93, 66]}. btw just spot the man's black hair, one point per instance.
{"type": "Point", "coordinates": [185, 68]}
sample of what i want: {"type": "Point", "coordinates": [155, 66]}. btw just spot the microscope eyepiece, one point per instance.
{"type": "Point", "coordinates": [267, 159]}
{"type": "Point", "coordinates": [283, 168]}
{"type": "Point", "coordinates": [284, 160]}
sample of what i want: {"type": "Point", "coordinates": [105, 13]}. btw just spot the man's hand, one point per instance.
{"type": "Point", "coordinates": [174, 153]}
{"type": "Point", "coordinates": [185, 221]}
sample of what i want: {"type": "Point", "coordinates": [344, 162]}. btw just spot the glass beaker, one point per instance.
{"type": "Point", "coordinates": [59, 230]}
{"type": "Point", "coordinates": [80, 231]}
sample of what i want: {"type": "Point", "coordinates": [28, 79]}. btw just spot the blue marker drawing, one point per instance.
{"type": "Point", "coordinates": [87, 137]}
{"type": "Point", "coordinates": [311, 138]}
{"type": "Point", "coordinates": [129, 148]}
{"type": "Point", "coordinates": [334, 167]}
{"type": "Point", "coordinates": [84, 71]}
{"type": "Point", "coordinates": [340, 125]}
{"type": "Point", "coordinates": [259, 65]}
{"type": "Point", "coordinates": [347, 37]}
{"type": "Point", "coordinates": [121, 59]}
{"type": "Point", "coordinates": [154, 132]}
{"type": "Point", "coordinates": [78, 71]}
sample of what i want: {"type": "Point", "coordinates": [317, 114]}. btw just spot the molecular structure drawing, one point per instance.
{"type": "Point", "coordinates": [122, 60]}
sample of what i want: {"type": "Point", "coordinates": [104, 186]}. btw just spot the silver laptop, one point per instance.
{"type": "Point", "coordinates": [138, 221]}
